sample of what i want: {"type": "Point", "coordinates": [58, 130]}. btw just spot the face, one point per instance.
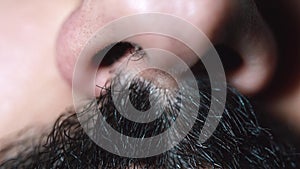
{"type": "Point", "coordinates": [41, 84]}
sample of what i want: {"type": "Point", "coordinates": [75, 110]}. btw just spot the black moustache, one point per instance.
{"type": "Point", "coordinates": [238, 141]}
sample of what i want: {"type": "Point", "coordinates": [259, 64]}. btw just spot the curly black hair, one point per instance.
{"type": "Point", "coordinates": [238, 141]}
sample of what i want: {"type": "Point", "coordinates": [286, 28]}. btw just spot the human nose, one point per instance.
{"type": "Point", "coordinates": [215, 20]}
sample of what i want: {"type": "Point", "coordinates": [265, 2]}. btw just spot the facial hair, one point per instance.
{"type": "Point", "coordinates": [237, 142]}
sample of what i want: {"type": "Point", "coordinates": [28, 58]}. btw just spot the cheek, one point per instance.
{"type": "Point", "coordinates": [32, 91]}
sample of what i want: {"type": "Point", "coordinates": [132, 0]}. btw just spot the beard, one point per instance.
{"type": "Point", "coordinates": [238, 141]}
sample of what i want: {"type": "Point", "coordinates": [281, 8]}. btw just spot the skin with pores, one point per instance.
{"type": "Point", "coordinates": [29, 97]}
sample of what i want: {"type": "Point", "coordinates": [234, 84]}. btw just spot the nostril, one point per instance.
{"type": "Point", "coordinates": [112, 53]}
{"type": "Point", "coordinates": [231, 60]}
{"type": "Point", "coordinates": [108, 61]}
